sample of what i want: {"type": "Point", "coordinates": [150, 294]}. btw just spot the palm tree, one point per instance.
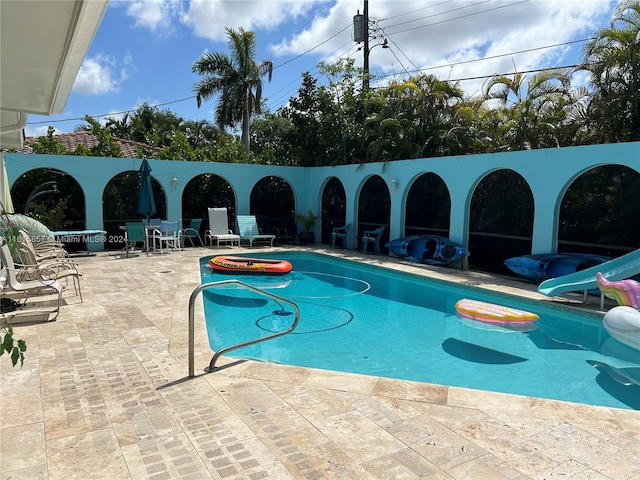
{"type": "Point", "coordinates": [237, 78]}
{"type": "Point", "coordinates": [527, 105]}
{"type": "Point", "coordinates": [414, 119]}
{"type": "Point", "coordinates": [613, 58]}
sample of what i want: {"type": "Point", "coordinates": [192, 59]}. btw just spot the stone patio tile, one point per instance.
{"type": "Point", "coordinates": [346, 428]}
{"type": "Point", "coordinates": [93, 454]}
{"type": "Point", "coordinates": [22, 447]}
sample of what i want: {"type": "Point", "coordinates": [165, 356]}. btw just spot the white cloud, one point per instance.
{"type": "Point", "coordinates": [210, 18]}
{"type": "Point", "coordinates": [40, 131]}
{"type": "Point", "coordinates": [97, 75]}
{"type": "Point", "coordinates": [155, 15]}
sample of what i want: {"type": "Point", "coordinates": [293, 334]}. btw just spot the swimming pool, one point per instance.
{"type": "Point", "coordinates": [370, 320]}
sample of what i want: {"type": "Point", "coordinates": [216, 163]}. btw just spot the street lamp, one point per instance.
{"type": "Point", "coordinates": [42, 189]}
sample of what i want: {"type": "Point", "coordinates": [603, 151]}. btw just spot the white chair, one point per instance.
{"type": "Point", "coordinates": [168, 235]}
{"type": "Point", "coordinates": [219, 228]}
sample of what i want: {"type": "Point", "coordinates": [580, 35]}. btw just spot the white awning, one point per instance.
{"type": "Point", "coordinates": [42, 46]}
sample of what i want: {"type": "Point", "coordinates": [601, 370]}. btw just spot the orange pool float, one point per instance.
{"type": "Point", "coordinates": [260, 266]}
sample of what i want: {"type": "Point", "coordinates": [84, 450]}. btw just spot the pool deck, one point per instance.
{"type": "Point", "coordinates": [104, 394]}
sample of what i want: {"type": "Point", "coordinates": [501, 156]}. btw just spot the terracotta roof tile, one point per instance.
{"type": "Point", "coordinates": [70, 141]}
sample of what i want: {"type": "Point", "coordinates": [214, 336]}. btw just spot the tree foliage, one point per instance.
{"type": "Point", "coordinates": [14, 348]}
{"type": "Point", "coordinates": [237, 78]}
{"type": "Point", "coordinates": [613, 61]}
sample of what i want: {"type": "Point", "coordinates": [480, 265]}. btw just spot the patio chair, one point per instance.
{"type": "Point", "coordinates": [264, 224]}
{"type": "Point", "coordinates": [372, 236]}
{"type": "Point", "coordinates": [193, 231]}
{"type": "Point", "coordinates": [287, 232]}
{"type": "Point", "coordinates": [340, 233]}
{"type": "Point", "coordinates": [248, 230]}
{"type": "Point", "coordinates": [29, 288]}
{"type": "Point", "coordinates": [135, 233]}
{"type": "Point", "coordinates": [219, 228]}
{"type": "Point", "coordinates": [152, 223]}
{"type": "Point", "coordinates": [168, 235]}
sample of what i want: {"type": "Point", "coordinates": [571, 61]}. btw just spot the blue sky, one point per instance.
{"type": "Point", "coordinates": [144, 49]}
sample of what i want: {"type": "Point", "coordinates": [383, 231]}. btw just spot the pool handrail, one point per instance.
{"type": "Point", "coordinates": [222, 351]}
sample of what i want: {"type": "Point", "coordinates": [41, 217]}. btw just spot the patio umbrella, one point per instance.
{"type": "Point", "coordinates": [146, 203]}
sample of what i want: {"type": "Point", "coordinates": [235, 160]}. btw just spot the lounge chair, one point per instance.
{"type": "Point", "coordinates": [340, 233]}
{"type": "Point", "coordinates": [219, 228]}
{"type": "Point", "coordinates": [372, 236]}
{"type": "Point", "coordinates": [30, 267]}
{"type": "Point", "coordinates": [44, 250]}
{"type": "Point", "coordinates": [29, 288]}
{"type": "Point", "coordinates": [248, 230]}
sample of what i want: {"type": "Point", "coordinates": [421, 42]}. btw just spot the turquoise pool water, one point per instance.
{"type": "Point", "coordinates": [366, 319]}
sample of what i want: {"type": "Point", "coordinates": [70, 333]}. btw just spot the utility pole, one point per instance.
{"type": "Point", "coordinates": [365, 63]}
{"type": "Point", "coordinates": [361, 34]}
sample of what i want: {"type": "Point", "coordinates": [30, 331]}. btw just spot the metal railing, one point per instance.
{"type": "Point", "coordinates": [222, 351]}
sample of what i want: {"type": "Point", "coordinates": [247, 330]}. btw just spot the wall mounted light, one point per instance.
{"type": "Point", "coordinates": [174, 183]}
{"type": "Point", "coordinates": [394, 185]}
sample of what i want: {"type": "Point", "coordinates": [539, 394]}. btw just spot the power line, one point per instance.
{"type": "Point", "coordinates": [110, 114]}
{"type": "Point", "coordinates": [534, 70]}
{"type": "Point", "coordinates": [443, 13]}
{"type": "Point", "coordinates": [492, 57]}
{"type": "Point", "coordinates": [312, 48]}
{"type": "Point", "coordinates": [318, 12]}
{"type": "Point", "coordinates": [417, 10]}
{"type": "Point", "coordinates": [458, 18]}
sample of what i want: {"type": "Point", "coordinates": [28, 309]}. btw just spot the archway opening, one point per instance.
{"type": "Point", "coordinates": [600, 212]}
{"type": "Point", "coordinates": [428, 207]}
{"type": "Point", "coordinates": [334, 208]}
{"type": "Point", "coordinates": [500, 220]}
{"type": "Point", "coordinates": [207, 191]}
{"type": "Point", "coordinates": [120, 205]}
{"type": "Point", "coordinates": [374, 208]}
{"type": "Point", "coordinates": [272, 201]}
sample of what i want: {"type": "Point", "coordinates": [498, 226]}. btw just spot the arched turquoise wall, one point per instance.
{"type": "Point", "coordinates": [548, 172]}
